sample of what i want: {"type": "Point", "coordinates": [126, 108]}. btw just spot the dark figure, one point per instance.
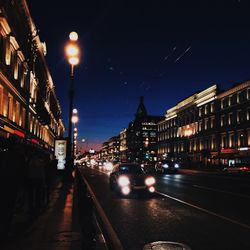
{"type": "Point", "coordinates": [12, 163]}
{"type": "Point", "coordinates": [50, 176]}
{"type": "Point", "coordinates": [36, 183]}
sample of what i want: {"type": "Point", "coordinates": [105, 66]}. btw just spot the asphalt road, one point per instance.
{"type": "Point", "coordinates": [202, 210]}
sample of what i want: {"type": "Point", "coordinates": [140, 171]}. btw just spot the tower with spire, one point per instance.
{"type": "Point", "coordinates": [142, 135]}
{"type": "Point", "coordinates": [141, 110]}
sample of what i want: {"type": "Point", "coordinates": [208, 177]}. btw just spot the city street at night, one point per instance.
{"type": "Point", "coordinates": [201, 210]}
{"type": "Point", "coordinates": [125, 125]}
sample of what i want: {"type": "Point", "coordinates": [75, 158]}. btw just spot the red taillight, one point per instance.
{"type": "Point", "coordinates": [244, 168]}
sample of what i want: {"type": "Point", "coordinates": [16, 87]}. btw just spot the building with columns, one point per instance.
{"type": "Point", "coordinates": [29, 108]}
{"type": "Point", "coordinates": [208, 127]}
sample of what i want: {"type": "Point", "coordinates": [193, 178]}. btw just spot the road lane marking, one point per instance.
{"type": "Point", "coordinates": [205, 210]}
{"type": "Point", "coordinates": [212, 174]}
{"type": "Point", "coordinates": [222, 191]}
{"type": "Point", "coordinates": [206, 188]}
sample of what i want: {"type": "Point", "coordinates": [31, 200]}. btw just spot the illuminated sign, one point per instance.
{"type": "Point", "coordinates": [60, 153]}
{"type": "Point", "coordinates": [19, 133]}
{"type": "Point", "coordinates": [228, 150]}
{"type": "Point", "coordinates": [34, 140]}
{"type": "Point", "coordinates": [243, 149]}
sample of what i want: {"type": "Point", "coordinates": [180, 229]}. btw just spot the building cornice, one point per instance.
{"type": "Point", "coordinates": [233, 90]}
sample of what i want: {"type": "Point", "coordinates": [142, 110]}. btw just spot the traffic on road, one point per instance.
{"type": "Point", "coordinates": [199, 210]}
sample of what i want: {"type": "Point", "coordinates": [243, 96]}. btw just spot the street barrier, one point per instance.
{"type": "Point", "coordinates": [90, 211]}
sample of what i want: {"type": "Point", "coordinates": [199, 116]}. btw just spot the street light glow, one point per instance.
{"type": "Point", "coordinates": [74, 111]}
{"type": "Point", "coordinates": [73, 36]}
{"type": "Point", "coordinates": [74, 119]}
{"type": "Point", "coordinates": [72, 50]}
{"type": "Point", "coordinates": [73, 60]}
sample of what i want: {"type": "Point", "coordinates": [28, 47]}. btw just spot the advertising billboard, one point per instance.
{"type": "Point", "coordinates": [60, 153]}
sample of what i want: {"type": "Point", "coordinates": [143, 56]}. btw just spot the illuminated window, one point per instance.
{"type": "Point", "coordinates": [248, 114]}
{"type": "Point", "coordinates": [248, 138]}
{"type": "Point", "coordinates": [230, 100]}
{"type": "Point", "coordinates": [212, 122]}
{"type": "Point", "coordinates": [238, 97]}
{"type": "Point", "coordinates": [213, 143]}
{"type": "Point", "coordinates": [239, 116]}
{"type": "Point", "coordinates": [231, 140]}
{"type": "Point", "coordinates": [200, 125]}
{"type": "Point", "coordinates": [222, 121]}
{"type": "Point", "coordinates": [230, 118]}
{"type": "Point", "coordinates": [200, 111]}
{"type": "Point", "coordinates": [152, 134]}
{"type": "Point", "coordinates": [1, 99]}
{"type": "Point", "coordinates": [222, 103]}
{"type": "Point", "coordinates": [206, 109]}
{"type": "Point", "coordinates": [17, 112]}
{"type": "Point", "coordinates": [23, 117]}
{"type": "Point", "coordinates": [212, 107]}
{"type": "Point", "coordinates": [10, 107]}
{"type": "Point", "coordinates": [248, 93]}
{"type": "Point", "coordinates": [206, 124]}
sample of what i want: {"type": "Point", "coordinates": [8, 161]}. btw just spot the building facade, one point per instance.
{"type": "Point", "coordinates": [29, 108]}
{"type": "Point", "coordinates": [111, 149]}
{"type": "Point", "coordinates": [123, 145]}
{"type": "Point", "coordinates": [209, 127]}
{"type": "Point", "coordinates": [141, 136]}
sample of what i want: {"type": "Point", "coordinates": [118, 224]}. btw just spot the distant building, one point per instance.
{"type": "Point", "coordinates": [141, 136]}
{"type": "Point", "coordinates": [114, 148]}
{"type": "Point", "coordinates": [111, 149]}
{"type": "Point", "coordinates": [29, 108]}
{"type": "Point", "coordinates": [209, 127]}
{"type": "Point", "coordinates": [123, 145]}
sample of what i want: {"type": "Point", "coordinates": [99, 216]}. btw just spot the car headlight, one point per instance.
{"type": "Point", "coordinates": [165, 166]}
{"type": "Point", "coordinates": [150, 181]}
{"type": "Point", "coordinates": [123, 181]}
{"type": "Point", "coordinates": [176, 165]}
{"type": "Point", "coordinates": [109, 166]}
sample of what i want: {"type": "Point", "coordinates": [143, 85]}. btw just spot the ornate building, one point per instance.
{"type": "Point", "coordinates": [29, 108]}
{"type": "Point", "coordinates": [210, 126]}
{"type": "Point", "coordinates": [141, 136]}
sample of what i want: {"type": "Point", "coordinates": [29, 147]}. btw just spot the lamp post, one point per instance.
{"type": "Point", "coordinates": [74, 121]}
{"type": "Point", "coordinates": [72, 53]}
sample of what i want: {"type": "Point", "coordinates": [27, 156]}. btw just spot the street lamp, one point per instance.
{"type": "Point", "coordinates": [72, 52]}
{"type": "Point", "coordinates": [74, 120]}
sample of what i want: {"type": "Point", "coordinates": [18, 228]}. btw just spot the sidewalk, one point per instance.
{"type": "Point", "coordinates": [56, 228]}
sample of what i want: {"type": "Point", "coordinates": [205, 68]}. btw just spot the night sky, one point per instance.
{"type": "Point", "coordinates": [163, 50]}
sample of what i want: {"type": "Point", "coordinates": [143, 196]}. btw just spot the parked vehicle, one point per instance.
{"type": "Point", "coordinates": [128, 177]}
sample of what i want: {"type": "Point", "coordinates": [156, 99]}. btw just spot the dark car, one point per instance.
{"type": "Point", "coordinates": [128, 177]}
{"type": "Point", "coordinates": [167, 166]}
{"type": "Point", "coordinates": [238, 168]}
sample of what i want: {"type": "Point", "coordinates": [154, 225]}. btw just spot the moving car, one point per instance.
{"type": "Point", "coordinates": [238, 168]}
{"type": "Point", "coordinates": [167, 166]}
{"type": "Point", "coordinates": [128, 177]}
